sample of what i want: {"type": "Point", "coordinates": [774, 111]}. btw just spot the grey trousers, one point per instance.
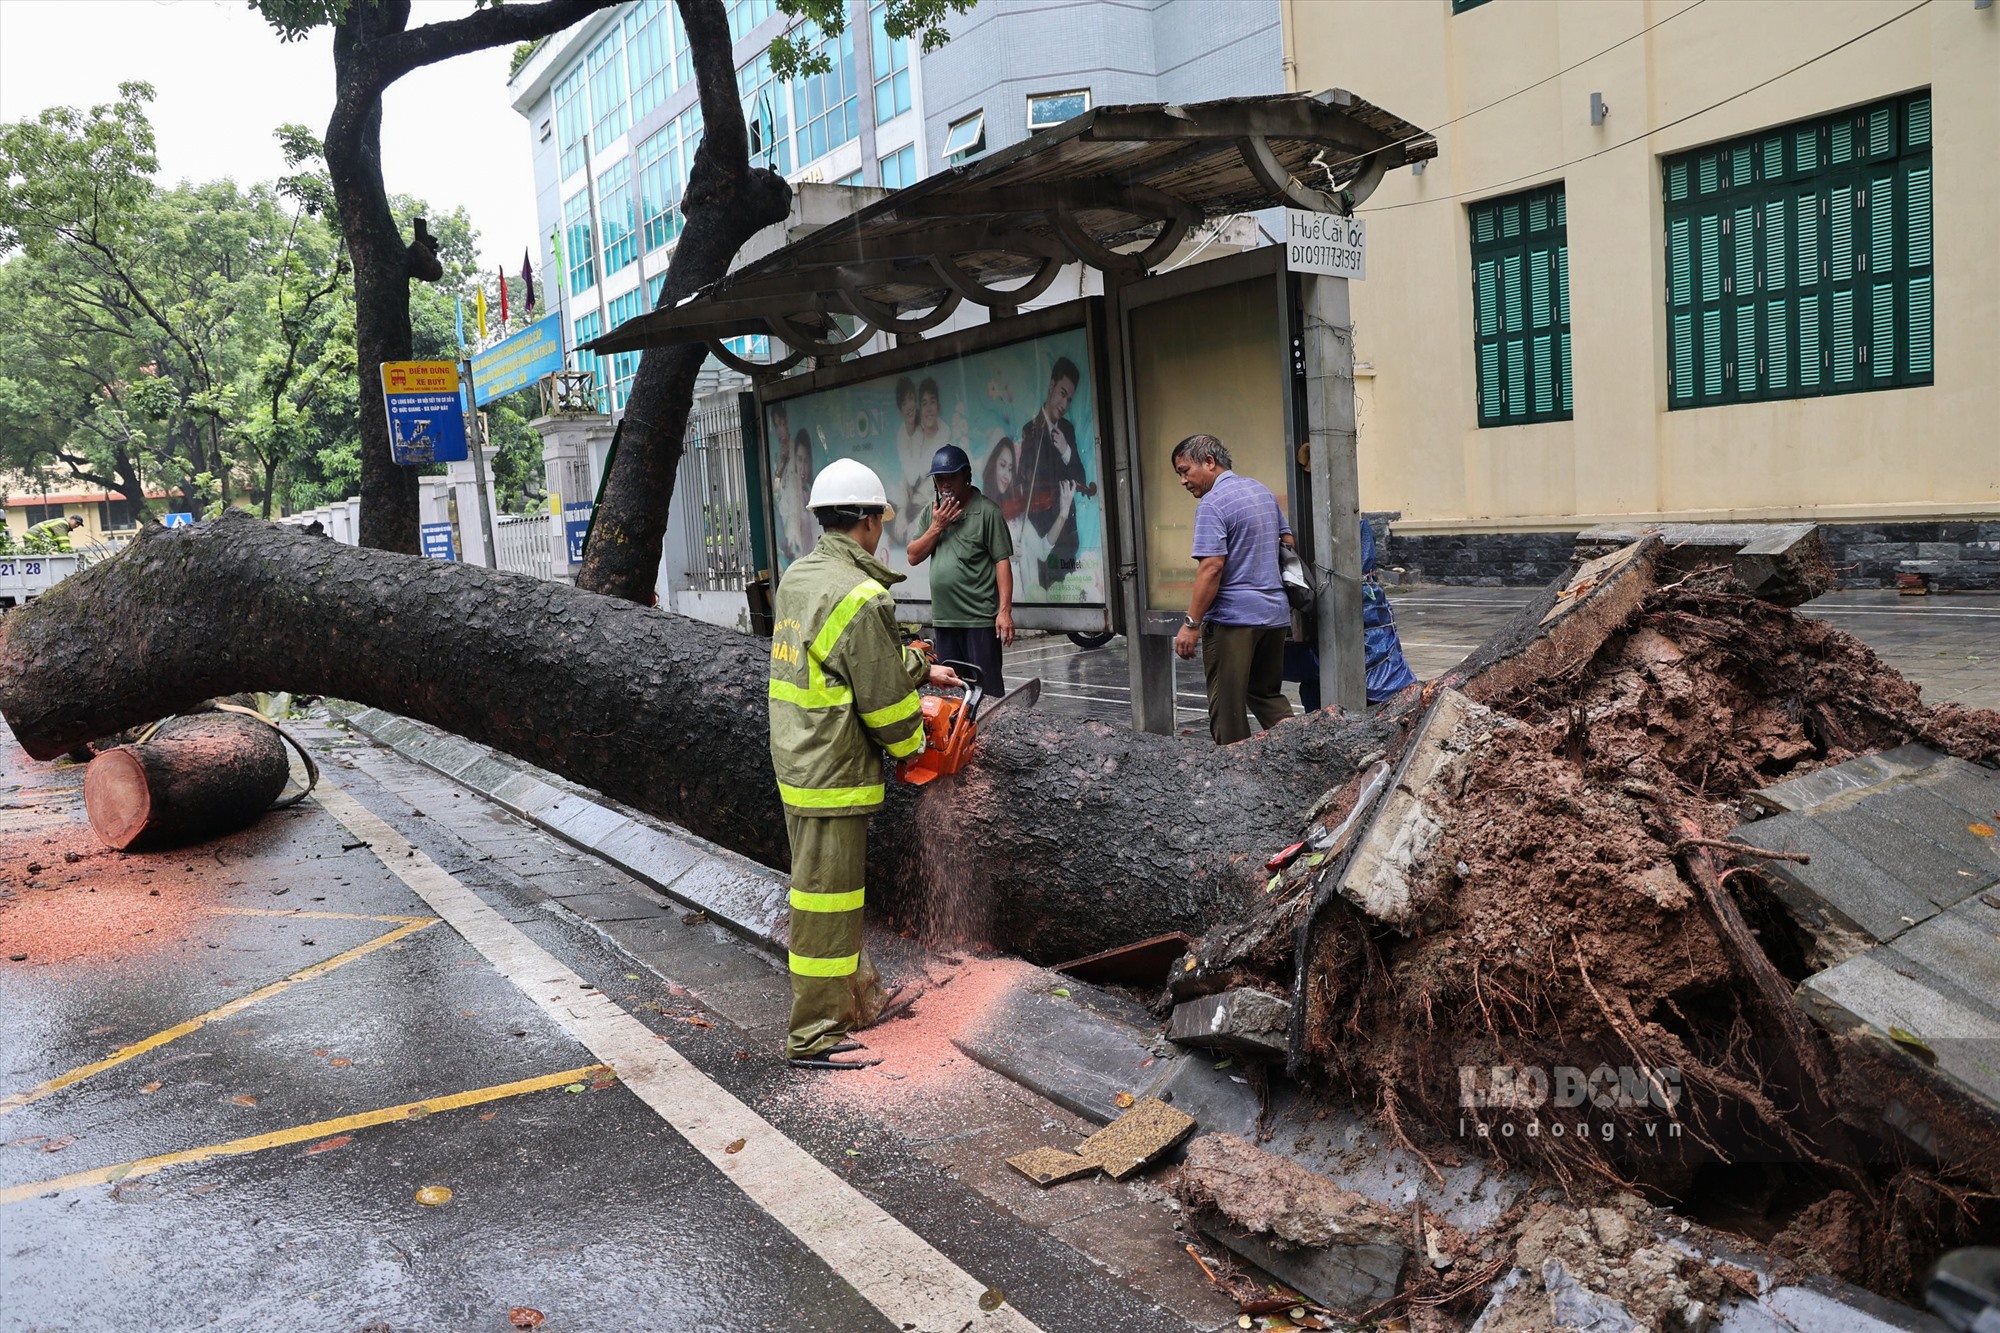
{"type": "Point", "coordinates": [1244, 666]}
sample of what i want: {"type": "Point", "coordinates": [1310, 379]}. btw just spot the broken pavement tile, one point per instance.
{"type": "Point", "coordinates": [1137, 1137]}
{"type": "Point", "coordinates": [1052, 1166]}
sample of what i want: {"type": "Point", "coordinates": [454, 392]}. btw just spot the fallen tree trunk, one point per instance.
{"type": "Point", "coordinates": [196, 777]}
{"type": "Point", "coordinates": [1063, 838]}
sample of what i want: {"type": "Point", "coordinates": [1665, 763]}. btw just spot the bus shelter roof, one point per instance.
{"type": "Point", "coordinates": [1118, 188]}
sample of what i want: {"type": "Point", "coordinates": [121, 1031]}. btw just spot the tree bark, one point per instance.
{"type": "Point", "coordinates": [726, 203]}
{"type": "Point", "coordinates": [373, 46]}
{"type": "Point", "coordinates": [1061, 839]}
{"type": "Point", "coordinates": [197, 777]}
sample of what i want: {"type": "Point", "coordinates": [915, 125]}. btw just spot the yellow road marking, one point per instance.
{"type": "Point", "coordinates": [118, 1057]}
{"type": "Point", "coordinates": [146, 1166]}
{"type": "Point", "coordinates": [308, 916]}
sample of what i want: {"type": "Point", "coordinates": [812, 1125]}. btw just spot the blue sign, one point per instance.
{"type": "Point", "coordinates": [576, 526]}
{"type": "Point", "coordinates": [426, 414]}
{"type": "Point", "coordinates": [437, 541]}
{"type": "Point", "coordinates": [518, 361]}
{"type": "Point", "coordinates": [178, 520]}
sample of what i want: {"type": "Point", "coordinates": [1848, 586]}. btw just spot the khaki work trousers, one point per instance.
{"type": "Point", "coordinates": [1244, 666]}
{"type": "Point", "coordinates": [835, 988]}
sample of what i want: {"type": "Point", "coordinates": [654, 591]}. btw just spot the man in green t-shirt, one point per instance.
{"type": "Point", "coordinates": [972, 583]}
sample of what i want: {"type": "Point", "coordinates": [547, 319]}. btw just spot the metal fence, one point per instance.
{"type": "Point", "coordinates": [525, 545]}
{"type": "Point", "coordinates": [714, 499]}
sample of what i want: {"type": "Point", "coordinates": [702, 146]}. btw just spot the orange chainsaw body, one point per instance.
{"type": "Point", "coordinates": [949, 731]}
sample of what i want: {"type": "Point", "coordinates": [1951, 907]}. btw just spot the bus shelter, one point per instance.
{"type": "Point", "coordinates": [1069, 410]}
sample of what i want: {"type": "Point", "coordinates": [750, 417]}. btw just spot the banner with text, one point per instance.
{"type": "Point", "coordinates": [518, 361]}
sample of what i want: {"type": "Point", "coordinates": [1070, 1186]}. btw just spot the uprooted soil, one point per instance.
{"type": "Point", "coordinates": [1561, 926]}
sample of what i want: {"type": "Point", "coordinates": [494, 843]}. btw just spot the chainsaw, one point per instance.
{"type": "Point", "coordinates": [951, 724]}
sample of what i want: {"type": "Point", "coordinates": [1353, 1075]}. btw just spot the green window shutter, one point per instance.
{"type": "Point", "coordinates": [1710, 230]}
{"type": "Point", "coordinates": [1882, 331]}
{"type": "Point", "coordinates": [1777, 354]}
{"type": "Point", "coordinates": [1841, 336]}
{"type": "Point", "coordinates": [1919, 120]}
{"type": "Point", "coordinates": [1917, 214]}
{"type": "Point", "coordinates": [1683, 358]}
{"type": "Point", "coordinates": [1881, 131]}
{"type": "Point", "coordinates": [1746, 350]}
{"type": "Point", "coordinates": [1776, 248]}
{"type": "Point", "coordinates": [1805, 150]}
{"type": "Point", "coordinates": [1840, 141]}
{"type": "Point", "coordinates": [1881, 224]}
{"type": "Point", "coordinates": [1774, 157]}
{"type": "Point", "coordinates": [1743, 229]}
{"type": "Point", "coordinates": [1711, 353]}
{"type": "Point", "coordinates": [1680, 262]}
{"type": "Point", "coordinates": [1520, 284]}
{"type": "Point", "coordinates": [1919, 325]}
{"type": "Point", "coordinates": [1808, 215]}
{"type": "Point", "coordinates": [1810, 356]}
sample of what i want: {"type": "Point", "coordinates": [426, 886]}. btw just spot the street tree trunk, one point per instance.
{"type": "Point", "coordinates": [1064, 837]}
{"type": "Point", "coordinates": [727, 202]}
{"type": "Point", "coordinates": [373, 46]}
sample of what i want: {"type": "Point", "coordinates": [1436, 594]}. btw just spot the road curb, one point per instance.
{"type": "Point", "coordinates": [743, 896]}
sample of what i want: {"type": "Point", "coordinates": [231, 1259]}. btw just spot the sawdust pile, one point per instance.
{"type": "Point", "coordinates": [1560, 928]}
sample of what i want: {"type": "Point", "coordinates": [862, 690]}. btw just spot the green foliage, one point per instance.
{"type": "Point", "coordinates": [793, 55]}
{"type": "Point", "coordinates": [198, 339]}
{"type": "Point", "coordinates": [521, 56]}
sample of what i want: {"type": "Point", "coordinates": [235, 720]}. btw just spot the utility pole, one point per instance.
{"type": "Point", "coordinates": [475, 434]}
{"type": "Point", "coordinates": [1336, 484]}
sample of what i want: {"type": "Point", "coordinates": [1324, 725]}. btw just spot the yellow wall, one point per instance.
{"type": "Point", "coordinates": [1921, 452]}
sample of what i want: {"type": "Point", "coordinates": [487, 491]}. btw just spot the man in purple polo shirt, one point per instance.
{"type": "Point", "coordinates": [1238, 613]}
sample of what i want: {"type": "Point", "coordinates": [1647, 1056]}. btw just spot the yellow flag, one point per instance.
{"type": "Point", "coordinates": [479, 303]}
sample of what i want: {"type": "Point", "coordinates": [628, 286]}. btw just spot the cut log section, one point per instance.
{"type": "Point", "coordinates": [196, 777]}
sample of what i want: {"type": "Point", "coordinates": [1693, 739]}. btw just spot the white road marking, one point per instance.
{"type": "Point", "coordinates": [893, 1268]}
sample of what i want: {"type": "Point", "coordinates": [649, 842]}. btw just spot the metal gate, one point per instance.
{"type": "Point", "coordinates": [713, 497]}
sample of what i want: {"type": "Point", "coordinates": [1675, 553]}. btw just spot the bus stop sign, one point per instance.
{"type": "Point", "coordinates": [426, 415]}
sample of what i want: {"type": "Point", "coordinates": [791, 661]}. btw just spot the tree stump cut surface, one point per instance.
{"type": "Point", "coordinates": [195, 778]}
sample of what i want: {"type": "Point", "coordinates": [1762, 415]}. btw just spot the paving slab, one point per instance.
{"type": "Point", "coordinates": [1960, 862]}
{"type": "Point", "coordinates": [1842, 891]}
{"type": "Point", "coordinates": [1882, 992]}
{"type": "Point", "coordinates": [1077, 1059]}
{"type": "Point", "coordinates": [1862, 774]}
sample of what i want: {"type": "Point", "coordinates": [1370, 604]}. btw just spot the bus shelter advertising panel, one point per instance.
{"type": "Point", "coordinates": [1026, 414]}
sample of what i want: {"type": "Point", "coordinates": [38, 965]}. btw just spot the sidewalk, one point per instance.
{"type": "Point", "coordinates": [1950, 646]}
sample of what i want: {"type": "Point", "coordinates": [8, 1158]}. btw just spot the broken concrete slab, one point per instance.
{"type": "Point", "coordinates": [1784, 563]}
{"type": "Point", "coordinates": [1337, 1247]}
{"type": "Point", "coordinates": [1860, 774]}
{"type": "Point", "coordinates": [1221, 1099]}
{"type": "Point", "coordinates": [1566, 629]}
{"type": "Point", "coordinates": [1409, 817]}
{"type": "Point", "coordinates": [1143, 1134]}
{"type": "Point", "coordinates": [1939, 1028]}
{"type": "Point", "coordinates": [1241, 1022]}
{"type": "Point", "coordinates": [1078, 1059]}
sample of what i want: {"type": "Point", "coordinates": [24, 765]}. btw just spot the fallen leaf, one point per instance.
{"type": "Point", "coordinates": [573, 1087]}
{"type": "Point", "coordinates": [1123, 1099]}
{"type": "Point", "coordinates": [488, 1115]}
{"type": "Point", "coordinates": [339, 1062]}
{"type": "Point", "coordinates": [1060, 992]}
{"type": "Point", "coordinates": [322, 1054]}
{"type": "Point", "coordinates": [631, 976]}
{"type": "Point", "coordinates": [736, 1146]}
{"type": "Point", "coordinates": [1225, 1062]}
{"type": "Point", "coordinates": [328, 1145]}
{"type": "Point", "coordinates": [522, 1316]}
{"type": "Point", "coordinates": [852, 1153]}
{"type": "Point", "coordinates": [430, 1196]}
{"type": "Point", "coordinates": [696, 1020]}
{"type": "Point", "coordinates": [150, 1088]}
{"type": "Point", "coordinates": [1983, 830]}
{"type": "Point", "coordinates": [243, 1099]}
{"type": "Point", "coordinates": [992, 1299]}
{"type": "Point", "coordinates": [57, 1145]}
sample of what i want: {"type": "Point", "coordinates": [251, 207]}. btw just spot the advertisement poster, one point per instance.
{"type": "Point", "coordinates": [1027, 416]}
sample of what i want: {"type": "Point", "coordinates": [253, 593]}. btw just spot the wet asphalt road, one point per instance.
{"type": "Point", "coordinates": [569, 1194]}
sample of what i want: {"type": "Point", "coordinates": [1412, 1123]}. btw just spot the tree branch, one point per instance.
{"type": "Point", "coordinates": [390, 57]}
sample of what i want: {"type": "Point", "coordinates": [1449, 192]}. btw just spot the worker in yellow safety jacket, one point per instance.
{"type": "Point", "coordinates": [843, 696]}
{"type": "Point", "coordinates": [51, 536]}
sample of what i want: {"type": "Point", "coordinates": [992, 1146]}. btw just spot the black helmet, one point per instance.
{"type": "Point", "coordinates": [949, 460]}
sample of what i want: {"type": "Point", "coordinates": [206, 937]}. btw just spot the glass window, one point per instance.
{"type": "Point", "coordinates": [745, 15]}
{"type": "Point", "coordinates": [825, 106]}
{"type": "Point", "coordinates": [649, 47]}
{"type": "Point", "coordinates": [607, 90]}
{"type": "Point", "coordinates": [577, 243]}
{"type": "Point", "coordinates": [614, 216]}
{"type": "Point", "coordinates": [900, 168]}
{"type": "Point", "coordinates": [965, 137]}
{"type": "Point", "coordinates": [1520, 306]}
{"type": "Point", "coordinates": [117, 515]}
{"type": "Point", "coordinates": [1799, 259]}
{"type": "Point", "coordinates": [767, 115]}
{"type": "Point", "coordinates": [851, 178]}
{"type": "Point", "coordinates": [625, 365]}
{"type": "Point", "coordinates": [662, 178]}
{"type": "Point", "coordinates": [588, 327]}
{"type": "Point", "coordinates": [1046, 109]}
{"type": "Point", "coordinates": [892, 65]}
{"type": "Point", "coordinates": [572, 119]}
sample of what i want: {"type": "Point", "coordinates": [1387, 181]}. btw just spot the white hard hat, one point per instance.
{"type": "Point", "coordinates": [846, 483]}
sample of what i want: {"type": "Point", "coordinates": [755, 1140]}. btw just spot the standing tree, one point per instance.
{"type": "Point", "coordinates": [726, 203]}
{"type": "Point", "coordinates": [373, 46]}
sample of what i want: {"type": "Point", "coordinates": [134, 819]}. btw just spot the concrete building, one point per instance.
{"type": "Point", "coordinates": [614, 120]}
{"type": "Point", "coordinates": [1679, 261]}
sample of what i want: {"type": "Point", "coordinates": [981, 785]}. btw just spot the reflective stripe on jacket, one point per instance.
{"type": "Point", "coordinates": [843, 687]}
